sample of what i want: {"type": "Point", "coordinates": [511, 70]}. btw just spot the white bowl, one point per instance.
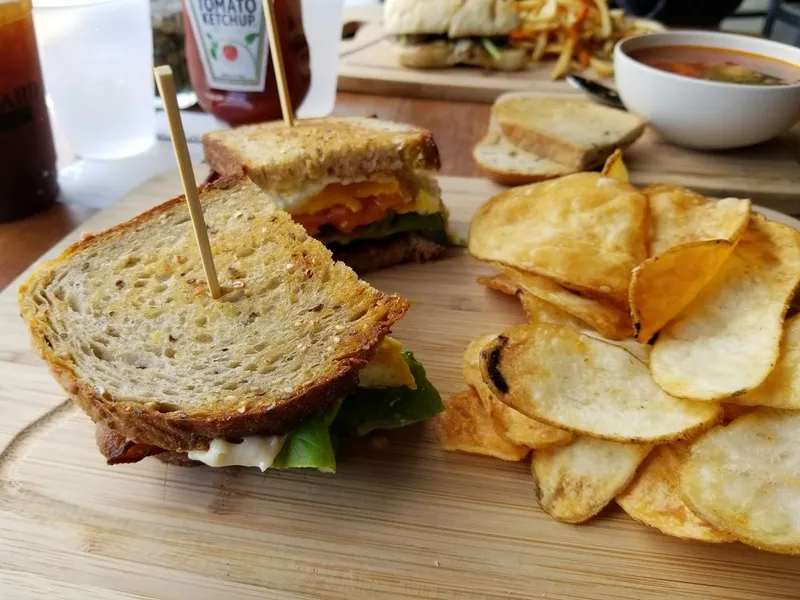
{"type": "Point", "coordinates": [702, 114]}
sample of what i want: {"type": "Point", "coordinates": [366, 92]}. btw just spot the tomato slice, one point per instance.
{"type": "Point", "coordinates": [373, 209]}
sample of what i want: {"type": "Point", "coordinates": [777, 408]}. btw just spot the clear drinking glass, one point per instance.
{"type": "Point", "coordinates": [97, 58]}
{"type": "Point", "coordinates": [322, 23]}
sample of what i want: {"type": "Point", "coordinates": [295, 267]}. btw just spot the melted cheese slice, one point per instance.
{"type": "Point", "coordinates": [323, 195]}
{"type": "Point", "coordinates": [387, 368]}
{"type": "Point", "coordinates": [254, 451]}
{"type": "Point", "coordinates": [423, 204]}
{"type": "Point", "coordinates": [348, 195]}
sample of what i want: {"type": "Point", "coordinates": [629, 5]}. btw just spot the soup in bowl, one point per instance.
{"type": "Point", "coordinates": [710, 90]}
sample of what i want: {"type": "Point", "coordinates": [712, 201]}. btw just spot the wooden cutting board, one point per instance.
{"type": "Point", "coordinates": [402, 521]}
{"type": "Point", "coordinates": [367, 64]}
{"type": "Point", "coordinates": [768, 174]}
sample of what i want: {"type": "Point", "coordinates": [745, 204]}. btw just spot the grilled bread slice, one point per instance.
{"type": "Point", "coordinates": [578, 134]}
{"type": "Point", "coordinates": [506, 164]}
{"type": "Point", "coordinates": [285, 159]}
{"type": "Point", "coordinates": [125, 321]}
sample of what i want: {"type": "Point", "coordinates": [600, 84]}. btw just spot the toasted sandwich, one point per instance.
{"type": "Point", "coordinates": [433, 34]}
{"type": "Point", "coordinates": [361, 186]}
{"type": "Point", "coordinates": [295, 353]}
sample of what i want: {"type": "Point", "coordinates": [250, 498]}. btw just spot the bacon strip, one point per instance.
{"type": "Point", "coordinates": [119, 450]}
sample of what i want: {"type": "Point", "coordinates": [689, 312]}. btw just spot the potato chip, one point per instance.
{"type": "Point", "coordinates": [543, 312]}
{"type": "Point", "coordinates": [615, 167]}
{"type": "Point", "coordinates": [575, 482]}
{"type": "Point", "coordinates": [662, 286]}
{"type": "Point", "coordinates": [653, 498]}
{"type": "Point", "coordinates": [679, 216]}
{"type": "Point", "coordinates": [781, 388]}
{"type": "Point", "coordinates": [691, 239]}
{"type": "Point", "coordinates": [509, 423]}
{"type": "Point", "coordinates": [744, 479]}
{"type": "Point", "coordinates": [731, 412]}
{"type": "Point", "coordinates": [499, 283]}
{"type": "Point", "coordinates": [585, 231]}
{"type": "Point", "coordinates": [558, 376]}
{"type": "Point", "coordinates": [727, 340]}
{"type": "Point", "coordinates": [535, 308]}
{"type": "Point", "coordinates": [609, 321]}
{"type": "Point", "coordinates": [466, 426]}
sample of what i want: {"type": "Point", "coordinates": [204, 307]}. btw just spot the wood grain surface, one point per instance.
{"type": "Point", "coordinates": [399, 521]}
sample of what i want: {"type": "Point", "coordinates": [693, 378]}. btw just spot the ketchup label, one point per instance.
{"type": "Point", "coordinates": [232, 42]}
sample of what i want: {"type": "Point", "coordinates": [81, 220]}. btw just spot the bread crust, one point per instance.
{"type": "Point", "coordinates": [280, 158]}
{"type": "Point", "coordinates": [563, 151]}
{"type": "Point", "coordinates": [178, 430]}
{"type": "Point", "coordinates": [222, 159]}
{"type": "Point", "coordinates": [510, 177]}
{"type": "Point", "coordinates": [543, 139]}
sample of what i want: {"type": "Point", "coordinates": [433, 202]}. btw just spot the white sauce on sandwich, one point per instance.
{"type": "Point", "coordinates": [254, 451]}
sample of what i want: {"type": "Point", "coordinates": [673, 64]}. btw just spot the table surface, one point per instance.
{"type": "Point", "coordinates": [457, 126]}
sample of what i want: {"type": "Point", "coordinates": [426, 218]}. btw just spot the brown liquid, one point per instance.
{"type": "Point", "coordinates": [27, 155]}
{"type": "Point", "coordinates": [238, 108]}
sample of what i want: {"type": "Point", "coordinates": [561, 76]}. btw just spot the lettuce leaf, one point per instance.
{"type": "Point", "coordinates": [368, 409]}
{"type": "Point", "coordinates": [312, 445]}
{"type": "Point", "coordinates": [493, 50]}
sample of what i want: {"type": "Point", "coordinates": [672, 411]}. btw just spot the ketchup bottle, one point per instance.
{"type": "Point", "coordinates": [28, 181]}
{"type": "Point", "coordinates": [227, 53]}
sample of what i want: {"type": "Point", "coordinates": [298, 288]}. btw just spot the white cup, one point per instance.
{"type": "Point", "coordinates": [97, 61]}
{"type": "Point", "coordinates": [322, 23]}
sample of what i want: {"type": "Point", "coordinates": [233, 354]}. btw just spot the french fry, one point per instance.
{"type": "Point", "coordinates": [563, 62]}
{"type": "Point", "coordinates": [539, 48]}
{"type": "Point", "coordinates": [579, 34]}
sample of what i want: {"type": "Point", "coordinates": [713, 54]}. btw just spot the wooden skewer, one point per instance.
{"type": "Point", "coordinates": [166, 87]}
{"type": "Point", "coordinates": [277, 63]}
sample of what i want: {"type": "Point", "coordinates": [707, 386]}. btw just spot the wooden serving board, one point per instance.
{"type": "Point", "coordinates": [403, 521]}
{"type": "Point", "coordinates": [768, 174]}
{"type": "Point", "coordinates": [368, 65]}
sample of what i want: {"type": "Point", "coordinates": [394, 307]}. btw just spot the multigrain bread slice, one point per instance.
{"type": "Point", "coordinates": [126, 324]}
{"type": "Point", "coordinates": [282, 159]}
{"type": "Point", "coordinates": [578, 134]}
{"type": "Point", "coordinates": [506, 164]}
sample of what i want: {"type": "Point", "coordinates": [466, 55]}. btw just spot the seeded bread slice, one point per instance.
{"type": "Point", "coordinates": [578, 134]}
{"type": "Point", "coordinates": [126, 324]}
{"type": "Point", "coordinates": [506, 164]}
{"type": "Point", "coordinates": [284, 159]}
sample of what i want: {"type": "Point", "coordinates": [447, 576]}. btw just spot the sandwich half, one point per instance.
{"type": "Point", "coordinates": [295, 353]}
{"type": "Point", "coordinates": [361, 186]}
{"type": "Point", "coordinates": [433, 34]}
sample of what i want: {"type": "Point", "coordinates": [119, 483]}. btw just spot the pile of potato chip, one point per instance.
{"type": "Point", "coordinates": [658, 367]}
